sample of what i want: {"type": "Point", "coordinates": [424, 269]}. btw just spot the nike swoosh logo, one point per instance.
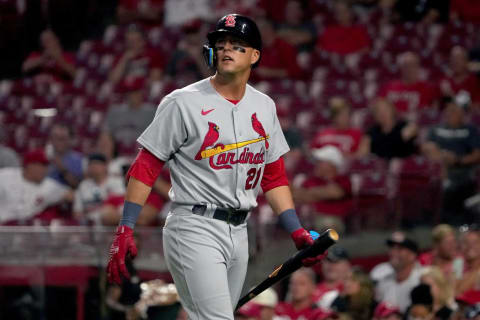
{"type": "Point", "coordinates": [204, 113]}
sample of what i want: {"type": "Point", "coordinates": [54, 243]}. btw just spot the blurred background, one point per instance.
{"type": "Point", "coordinates": [378, 99]}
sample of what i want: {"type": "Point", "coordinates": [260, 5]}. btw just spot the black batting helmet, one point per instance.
{"type": "Point", "coordinates": [235, 24]}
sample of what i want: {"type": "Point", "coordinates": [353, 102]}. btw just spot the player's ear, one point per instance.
{"type": "Point", "coordinates": [255, 56]}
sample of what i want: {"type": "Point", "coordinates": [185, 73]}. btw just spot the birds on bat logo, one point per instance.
{"type": "Point", "coordinates": [210, 149]}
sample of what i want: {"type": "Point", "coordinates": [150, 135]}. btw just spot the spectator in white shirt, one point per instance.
{"type": "Point", "coordinates": [395, 286]}
{"type": "Point", "coordinates": [27, 191]}
{"type": "Point", "coordinates": [97, 195]}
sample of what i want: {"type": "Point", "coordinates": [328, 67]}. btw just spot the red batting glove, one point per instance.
{"type": "Point", "coordinates": [122, 245]}
{"type": "Point", "coordinates": [303, 239]}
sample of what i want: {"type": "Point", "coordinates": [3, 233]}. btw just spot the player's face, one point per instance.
{"type": "Point", "coordinates": [234, 55]}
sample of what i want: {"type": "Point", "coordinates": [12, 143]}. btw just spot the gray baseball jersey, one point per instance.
{"type": "Point", "coordinates": [216, 152]}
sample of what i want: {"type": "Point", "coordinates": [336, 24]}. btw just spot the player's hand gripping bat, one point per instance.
{"type": "Point", "coordinates": [321, 244]}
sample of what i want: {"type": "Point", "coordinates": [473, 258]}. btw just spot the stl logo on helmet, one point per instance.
{"type": "Point", "coordinates": [230, 21]}
{"type": "Point", "coordinates": [219, 155]}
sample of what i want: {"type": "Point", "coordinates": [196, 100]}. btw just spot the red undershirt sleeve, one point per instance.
{"type": "Point", "coordinates": [274, 175]}
{"type": "Point", "coordinates": [146, 167]}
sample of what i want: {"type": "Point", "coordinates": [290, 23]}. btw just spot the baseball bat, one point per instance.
{"type": "Point", "coordinates": [321, 244]}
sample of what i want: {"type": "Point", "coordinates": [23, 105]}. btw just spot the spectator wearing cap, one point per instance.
{"type": "Point", "coordinates": [409, 94]}
{"type": "Point", "coordinates": [125, 122]}
{"type": "Point", "coordinates": [470, 247]}
{"type": "Point", "coordinates": [137, 62]}
{"type": "Point", "coordinates": [442, 291]}
{"type": "Point", "coordinates": [444, 254]}
{"type": "Point", "coordinates": [386, 311]}
{"type": "Point", "coordinates": [95, 191]}
{"type": "Point", "coordinates": [455, 144]}
{"type": "Point", "coordinates": [186, 64]}
{"type": "Point", "coordinates": [26, 192]}
{"type": "Point", "coordinates": [301, 304]}
{"type": "Point", "coordinates": [340, 134]}
{"type": "Point", "coordinates": [278, 57]}
{"type": "Point", "coordinates": [66, 164]}
{"type": "Point", "coordinates": [336, 270]}
{"type": "Point", "coordinates": [262, 307]}
{"type": "Point", "coordinates": [357, 297]}
{"type": "Point", "coordinates": [328, 190]}
{"type": "Point", "coordinates": [52, 61]}
{"type": "Point", "coordinates": [344, 37]}
{"type": "Point", "coordinates": [396, 285]}
{"type": "Point", "coordinates": [390, 137]}
{"type": "Point", "coordinates": [458, 77]}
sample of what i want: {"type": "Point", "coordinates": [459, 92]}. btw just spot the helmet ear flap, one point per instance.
{"type": "Point", "coordinates": [209, 56]}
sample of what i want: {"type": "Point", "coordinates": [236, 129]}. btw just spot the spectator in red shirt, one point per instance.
{"type": "Point", "coordinates": [279, 58]}
{"type": "Point", "coordinates": [444, 253]}
{"type": "Point", "coordinates": [52, 60]}
{"type": "Point", "coordinates": [344, 37]}
{"type": "Point", "coordinates": [409, 93]}
{"type": "Point", "coordinates": [465, 10]}
{"type": "Point", "coordinates": [143, 11]}
{"type": "Point", "coordinates": [328, 191]}
{"type": "Point", "coordinates": [301, 305]}
{"type": "Point", "coordinates": [459, 78]}
{"type": "Point", "coordinates": [138, 62]}
{"type": "Point", "coordinates": [340, 134]}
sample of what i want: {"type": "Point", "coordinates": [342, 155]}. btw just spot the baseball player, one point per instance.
{"type": "Point", "coordinates": [222, 142]}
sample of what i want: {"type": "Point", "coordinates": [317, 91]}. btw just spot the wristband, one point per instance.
{"type": "Point", "coordinates": [289, 220]}
{"type": "Point", "coordinates": [131, 211]}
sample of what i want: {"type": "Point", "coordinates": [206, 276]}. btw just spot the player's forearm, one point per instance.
{"type": "Point", "coordinates": [137, 191]}
{"type": "Point", "coordinates": [280, 199]}
{"type": "Point", "coordinates": [137, 194]}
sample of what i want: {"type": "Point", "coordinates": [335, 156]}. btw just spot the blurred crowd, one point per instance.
{"type": "Point", "coordinates": [439, 284]}
{"type": "Point", "coordinates": [378, 99]}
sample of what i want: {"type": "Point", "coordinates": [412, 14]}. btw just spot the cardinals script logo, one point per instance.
{"type": "Point", "coordinates": [220, 155]}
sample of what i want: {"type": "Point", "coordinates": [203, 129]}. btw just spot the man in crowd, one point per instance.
{"type": "Point", "coordinates": [125, 122]}
{"type": "Point", "coordinates": [65, 163]}
{"type": "Point", "coordinates": [409, 94]}
{"type": "Point", "coordinates": [95, 190]}
{"type": "Point", "coordinates": [336, 269]}
{"type": "Point", "coordinates": [27, 191]}
{"type": "Point", "coordinates": [459, 78]}
{"type": "Point", "coordinates": [456, 144]}
{"type": "Point", "coordinates": [395, 286]}
{"type": "Point", "coordinates": [137, 61]}
{"type": "Point", "coordinates": [301, 290]}
{"type": "Point", "coordinates": [52, 61]}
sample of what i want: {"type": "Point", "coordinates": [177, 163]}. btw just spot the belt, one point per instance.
{"type": "Point", "coordinates": [230, 216]}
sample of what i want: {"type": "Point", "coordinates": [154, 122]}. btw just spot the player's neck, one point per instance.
{"type": "Point", "coordinates": [230, 87]}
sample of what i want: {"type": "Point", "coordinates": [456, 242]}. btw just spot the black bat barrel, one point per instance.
{"type": "Point", "coordinates": [323, 242]}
